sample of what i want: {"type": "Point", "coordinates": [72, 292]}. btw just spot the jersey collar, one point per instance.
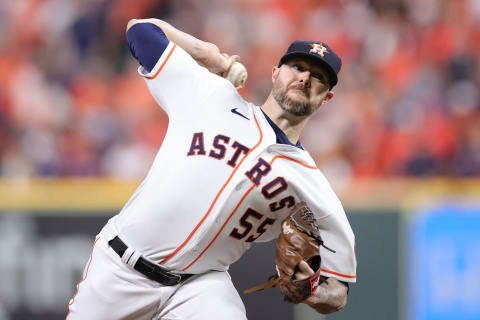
{"type": "Point", "coordinates": [281, 136]}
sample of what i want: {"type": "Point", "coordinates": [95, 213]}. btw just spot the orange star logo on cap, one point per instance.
{"type": "Point", "coordinates": [318, 49]}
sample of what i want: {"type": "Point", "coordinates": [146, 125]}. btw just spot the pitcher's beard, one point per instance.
{"type": "Point", "coordinates": [291, 106]}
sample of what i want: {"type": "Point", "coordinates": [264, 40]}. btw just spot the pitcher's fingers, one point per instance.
{"type": "Point", "coordinates": [231, 60]}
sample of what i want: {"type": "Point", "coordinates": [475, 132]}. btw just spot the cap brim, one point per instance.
{"type": "Point", "coordinates": [332, 74]}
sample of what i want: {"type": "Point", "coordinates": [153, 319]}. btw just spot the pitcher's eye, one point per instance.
{"type": "Point", "coordinates": [298, 67]}
{"type": "Point", "coordinates": [318, 76]}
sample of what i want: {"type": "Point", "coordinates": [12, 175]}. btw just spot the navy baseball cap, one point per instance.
{"type": "Point", "coordinates": [318, 51]}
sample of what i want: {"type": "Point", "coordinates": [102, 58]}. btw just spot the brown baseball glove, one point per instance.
{"type": "Point", "coordinates": [299, 240]}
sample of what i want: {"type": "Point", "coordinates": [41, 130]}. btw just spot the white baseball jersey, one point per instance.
{"type": "Point", "coordinates": [220, 180]}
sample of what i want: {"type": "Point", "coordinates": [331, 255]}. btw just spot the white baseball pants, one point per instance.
{"type": "Point", "coordinates": [110, 289]}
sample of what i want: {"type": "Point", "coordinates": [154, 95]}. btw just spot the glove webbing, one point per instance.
{"type": "Point", "coordinates": [306, 215]}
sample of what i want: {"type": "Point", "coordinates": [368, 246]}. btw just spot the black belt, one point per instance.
{"type": "Point", "coordinates": [149, 269]}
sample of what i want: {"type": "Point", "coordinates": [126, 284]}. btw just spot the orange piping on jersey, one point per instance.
{"type": "Point", "coordinates": [86, 274]}
{"type": "Point", "coordinates": [163, 64]}
{"type": "Point", "coordinates": [216, 197]}
{"type": "Point", "coordinates": [241, 200]}
{"type": "Point", "coordinates": [223, 226]}
{"type": "Point", "coordinates": [338, 274]}
{"type": "Point", "coordinates": [312, 167]}
{"type": "Point", "coordinates": [296, 161]}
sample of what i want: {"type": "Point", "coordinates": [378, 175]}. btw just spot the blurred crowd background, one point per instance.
{"type": "Point", "coordinates": [407, 104]}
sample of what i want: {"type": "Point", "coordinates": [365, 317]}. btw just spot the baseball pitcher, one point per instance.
{"type": "Point", "coordinates": [228, 174]}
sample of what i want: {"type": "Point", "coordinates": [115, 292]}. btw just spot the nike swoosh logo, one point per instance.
{"type": "Point", "coordinates": [234, 110]}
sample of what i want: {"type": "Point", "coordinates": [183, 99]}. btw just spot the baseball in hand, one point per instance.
{"type": "Point", "coordinates": [237, 75]}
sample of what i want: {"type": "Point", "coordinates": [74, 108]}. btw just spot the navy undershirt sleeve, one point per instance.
{"type": "Point", "coordinates": [147, 42]}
